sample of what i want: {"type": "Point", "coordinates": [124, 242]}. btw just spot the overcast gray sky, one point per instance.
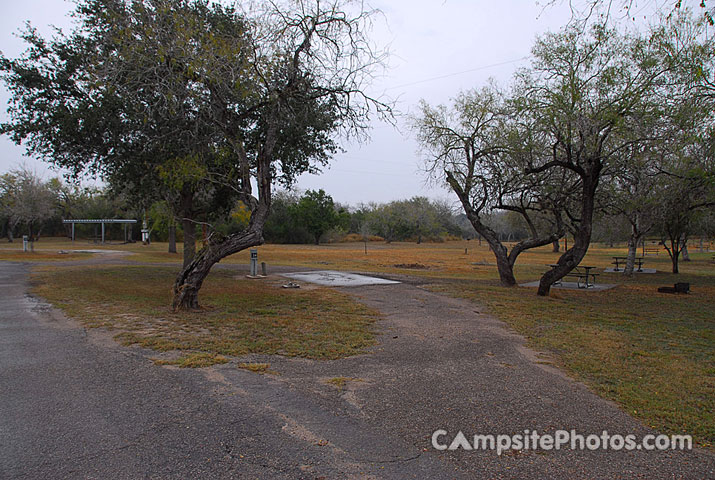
{"type": "Point", "coordinates": [439, 47]}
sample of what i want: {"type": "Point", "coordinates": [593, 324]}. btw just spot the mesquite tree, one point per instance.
{"type": "Point", "coordinates": [311, 62]}
{"type": "Point", "coordinates": [186, 96]}
{"type": "Point", "coordinates": [590, 91]}
{"type": "Point", "coordinates": [470, 146]}
{"type": "Point", "coordinates": [25, 199]}
{"type": "Point", "coordinates": [118, 98]}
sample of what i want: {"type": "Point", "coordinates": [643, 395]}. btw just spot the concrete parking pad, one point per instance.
{"type": "Point", "coordinates": [332, 278]}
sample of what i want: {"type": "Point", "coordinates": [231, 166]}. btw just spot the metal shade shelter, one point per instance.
{"type": "Point", "coordinates": [103, 222]}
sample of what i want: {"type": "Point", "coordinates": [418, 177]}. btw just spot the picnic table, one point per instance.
{"type": "Point", "coordinates": [639, 261]}
{"type": "Point", "coordinates": [583, 275]}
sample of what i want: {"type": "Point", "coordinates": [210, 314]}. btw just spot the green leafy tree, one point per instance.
{"type": "Point", "coordinates": [27, 200]}
{"type": "Point", "coordinates": [596, 95]}
{"type": "Point", "coordinates": [479, 148]}
{"type": "Point", "coordinates": [316, 212]}
{"type": "Point", "coordinates": [243, 98]}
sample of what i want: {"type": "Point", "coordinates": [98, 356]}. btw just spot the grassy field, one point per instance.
{"type": "Point", "coordinates": [240, 316]}
{"type": "Point", "coordinates": [651, 353]}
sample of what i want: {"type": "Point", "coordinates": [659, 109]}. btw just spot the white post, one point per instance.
{"type": "Point", "coordinates": [102, 233]}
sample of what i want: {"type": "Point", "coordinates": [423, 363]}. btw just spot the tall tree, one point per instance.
{"type": "Point", "coordinates": [316, 212]}
{"type": "Point", "coordinates": [479, 148]}
{"type": "Point", "coordinates": [591, 91]}
{"type": "Point", "coordinates": [179, 94]}
{"type": "Point", "coordinates": [27, 200]}
{"type": "Point", "coordinates": [667, 183]}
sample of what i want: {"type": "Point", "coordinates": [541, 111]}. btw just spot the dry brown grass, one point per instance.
{"type": "Point", "coordinates": [239, 317]}
{"type": "Point", "coordinates": [652, 353]}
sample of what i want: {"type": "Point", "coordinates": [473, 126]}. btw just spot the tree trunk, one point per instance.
{"type": "Point", "coordinates": [582, 237]}
{"type": "Point", "coordinates": [32, 243]}
{"type": "Point", "coordinates": [673, 250]}
{"type": "Point", "coordinates": [684, 252]}
{"type": "Point", "coordinates": [557, 246]}
{"type": "Point", "coordinates": [172, 238]}
{"type": "Point", "coordinates": [189, 281]}
{"type": "Point", "coordinates": [504, 267]}
{"type": "Point", "coordinates": [633, 241]}
{"type": "Point", "coordinates": [505, 259]}
{"type": "Point", "coordinates": [674, 259]}
{"type": "Point", "coordinates": [188, 225]}
{"type": "Point", "coordinates": [189, 240]}
{"type": "Point", "coordinates": [317, 239]}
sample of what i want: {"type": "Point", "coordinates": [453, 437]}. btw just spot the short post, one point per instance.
{"type": "Point", "coordinates": [25, 238]}
{"type": "Point", "coordinates": [145, 233]}
{"type": "Point", "coordinates": [254, 262]}
{"type": "Point", "coordinates": [263, 269]}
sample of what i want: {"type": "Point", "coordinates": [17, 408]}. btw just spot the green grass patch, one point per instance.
{"type": "Point", "coordinates": [651, 353]}
{"type": "Point", "coordinates": [239, 317]}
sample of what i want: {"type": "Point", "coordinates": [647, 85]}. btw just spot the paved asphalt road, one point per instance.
{"type": "Point", "coordinates": [73, 404]}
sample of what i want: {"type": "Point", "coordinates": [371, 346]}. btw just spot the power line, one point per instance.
{"type": "Point", "coordinates": [363, 172]}
{"type": "Point", "coordinates": [448, 75]}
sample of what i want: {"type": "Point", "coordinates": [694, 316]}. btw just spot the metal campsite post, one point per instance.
{"type": "Point", "coordinates": [254, 262]}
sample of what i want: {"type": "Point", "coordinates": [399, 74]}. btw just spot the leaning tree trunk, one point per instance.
{"type": "Point", "coordinates": [504, 267]}
{"type": "Point", "coordinates": [189, 281]}
{"type": "Point", "coordinates": [582, 237]}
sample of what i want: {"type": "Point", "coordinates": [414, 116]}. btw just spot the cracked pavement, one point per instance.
{"type": "Point", "coordinates": [74, 404]}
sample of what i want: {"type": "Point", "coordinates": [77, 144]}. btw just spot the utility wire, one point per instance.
{"type": "Point", "coordinates": [448, 75]}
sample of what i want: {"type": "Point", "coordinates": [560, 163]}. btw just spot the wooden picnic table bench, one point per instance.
{"type": "Point", "coordinates": [583, 275]}
{"type": "Point", "coordinates": [618, 260]}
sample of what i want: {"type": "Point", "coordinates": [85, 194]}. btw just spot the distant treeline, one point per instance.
{"type": "Point", "coordinates": [31, 206]}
